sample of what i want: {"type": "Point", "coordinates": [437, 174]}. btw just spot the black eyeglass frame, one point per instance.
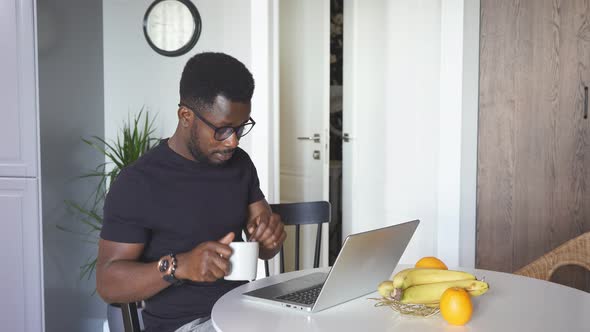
{"type": "Point", "coordinates": [219, 130]}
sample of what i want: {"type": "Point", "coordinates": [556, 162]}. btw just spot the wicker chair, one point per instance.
{"type": "Point", "coordinates": [573, 252]}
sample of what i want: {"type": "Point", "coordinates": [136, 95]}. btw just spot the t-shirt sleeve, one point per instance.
{"type": "Point", "coordinates": [254, 192]}
{"type": "Point", "coordinates": [123, 220]}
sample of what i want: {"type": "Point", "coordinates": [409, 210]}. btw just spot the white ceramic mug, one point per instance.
{"type": "Point", "coordinates": [244, 261]}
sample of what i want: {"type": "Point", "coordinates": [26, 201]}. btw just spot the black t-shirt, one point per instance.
{"type": "Point", "coordinates": [172, 204]}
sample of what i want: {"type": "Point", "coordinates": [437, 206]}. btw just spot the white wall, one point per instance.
{"type": "Point", "coordinates": [136, 76]}
{"type": "Point", "coordinates": [70, 107]}
{"type": "Point", "coordinates": [470, 107]}
{"type": "Point", "coordinates": [459, 91]}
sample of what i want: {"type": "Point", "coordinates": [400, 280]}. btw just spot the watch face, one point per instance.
{"type": "Point", "coordinates": [172, 27]}
{"type": "Point", "coordinates": [163, 265]}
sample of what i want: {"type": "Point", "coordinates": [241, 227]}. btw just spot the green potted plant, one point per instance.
{"type": "Point", "coordinates": [134, 139]}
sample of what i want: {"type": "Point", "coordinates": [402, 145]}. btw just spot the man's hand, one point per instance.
{"type": "Point", "coordinates": [268, 230]}
{"type": "Point", "coordinates": [208, 261]}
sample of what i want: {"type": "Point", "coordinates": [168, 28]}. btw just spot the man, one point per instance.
{"type": "Point", "coordinates": [169, 217]}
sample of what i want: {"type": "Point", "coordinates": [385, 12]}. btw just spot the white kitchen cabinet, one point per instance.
{"type": "Point", "coordinates": [21, 306]}
{"type": "Point", "coordinates": [21, 275]}
{"type": "Point", "coordinates": [18, 115]}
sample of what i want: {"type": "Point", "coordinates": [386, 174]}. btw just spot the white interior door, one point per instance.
{"type": "Point", "coordinates": [390, 100]}
{"type": "Point", "coordinates": [304, 41]}
{"type": "Point", "coordinates": [364, 57]}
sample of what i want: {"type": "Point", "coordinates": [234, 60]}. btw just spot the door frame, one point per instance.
{"type": "Point", "coordinates": [265, 46]}
{"type": "Point", "coordinates": [264, 65]}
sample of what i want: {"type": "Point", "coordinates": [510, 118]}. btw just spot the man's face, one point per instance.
{"type": "Point", "coordinates": [202, 144]}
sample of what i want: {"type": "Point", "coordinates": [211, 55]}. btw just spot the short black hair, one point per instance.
{"type": "Point", "coordinates": [208, 75]}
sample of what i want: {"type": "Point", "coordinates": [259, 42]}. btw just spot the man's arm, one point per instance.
{"type": "Point", "coordinates": [265, 227]}
{"type": "Point", "coordinates": [120, 277]}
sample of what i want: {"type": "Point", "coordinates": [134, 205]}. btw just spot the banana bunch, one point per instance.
{"type": "Point", "coordinates": [426, 286]}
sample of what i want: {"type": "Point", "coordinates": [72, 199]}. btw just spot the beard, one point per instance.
{"type": "Point", "coordinates": [193, 147]}
{"type": "Point", "coordinates": [198, 154]}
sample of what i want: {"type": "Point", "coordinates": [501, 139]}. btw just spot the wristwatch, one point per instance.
{"type": "Point", "coordinates": [167, 265]}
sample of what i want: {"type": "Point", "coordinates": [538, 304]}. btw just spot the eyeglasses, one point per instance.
{"type": "Point", "coordinates": [223, 133]}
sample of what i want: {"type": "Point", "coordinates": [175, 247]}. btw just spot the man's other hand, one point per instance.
{"type": "Point", "coordinates": [268, 230]}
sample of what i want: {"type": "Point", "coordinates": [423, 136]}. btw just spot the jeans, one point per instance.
{"type": "Point", "coordinates": [203, 324]}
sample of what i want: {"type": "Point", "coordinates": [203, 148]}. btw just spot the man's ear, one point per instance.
{"type": "Point", "coordinates": [185, 117]}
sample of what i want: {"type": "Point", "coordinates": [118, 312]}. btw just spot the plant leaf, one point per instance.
{"type": "Point", "coordinates": [134, 139]}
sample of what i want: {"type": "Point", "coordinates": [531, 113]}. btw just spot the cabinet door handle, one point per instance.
{"type": "Point", "coordinates": [585, 102]}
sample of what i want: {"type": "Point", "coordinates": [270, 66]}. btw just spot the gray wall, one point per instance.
{"type": "Point", "coordinates": [71, 106]}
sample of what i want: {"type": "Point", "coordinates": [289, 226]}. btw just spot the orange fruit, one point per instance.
{"type": "Point", "coordinates": [455, 306]}
{"type": "Point", "coordinates": [431, 263]}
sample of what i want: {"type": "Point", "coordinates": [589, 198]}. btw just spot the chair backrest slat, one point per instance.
{"type": "Point", "coordinates": [130, 317]}
{"type": "Point", "coordinates": [282, 263]}
{"type": "Point", "coordinates": [318, 242]}
{"type": "Point", "coordinates": [303, 213]}
{"type": "Point", "coordinates": [297, 239]}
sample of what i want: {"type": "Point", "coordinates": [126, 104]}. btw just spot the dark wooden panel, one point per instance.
{"type": "Point", "coordinates": [497, 108]}
{"type": "Point", "coordinates": [533, 149]}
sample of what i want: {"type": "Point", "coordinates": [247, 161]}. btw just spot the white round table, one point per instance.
{"type": "Point", "coordinates": [513, 303]}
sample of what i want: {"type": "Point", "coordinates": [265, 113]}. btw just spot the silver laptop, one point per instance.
{"type": "Point", "coordinates": [364, 261]}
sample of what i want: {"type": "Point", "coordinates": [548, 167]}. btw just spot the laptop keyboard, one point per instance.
{"type": "Point", "coordinates": [304, 296]}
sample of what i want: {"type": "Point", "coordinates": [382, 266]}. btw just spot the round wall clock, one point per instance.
{"type": "Point", "coordinates": [172, 27]}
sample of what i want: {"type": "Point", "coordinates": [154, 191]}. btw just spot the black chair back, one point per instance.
{"type": "Point", "coordinates": [298, 214]}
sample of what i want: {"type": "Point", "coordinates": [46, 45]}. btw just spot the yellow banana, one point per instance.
{"type": "Point", "coordinates": [478, 292]}
{"type": "Point", "coordinates": [385, 288]}
{"type": "Point", "coordinates": [398, 278]}
{"type": "Point", "coordinates": [417, 276]}
{"type": "Point", "coordinates": [431, 293]}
